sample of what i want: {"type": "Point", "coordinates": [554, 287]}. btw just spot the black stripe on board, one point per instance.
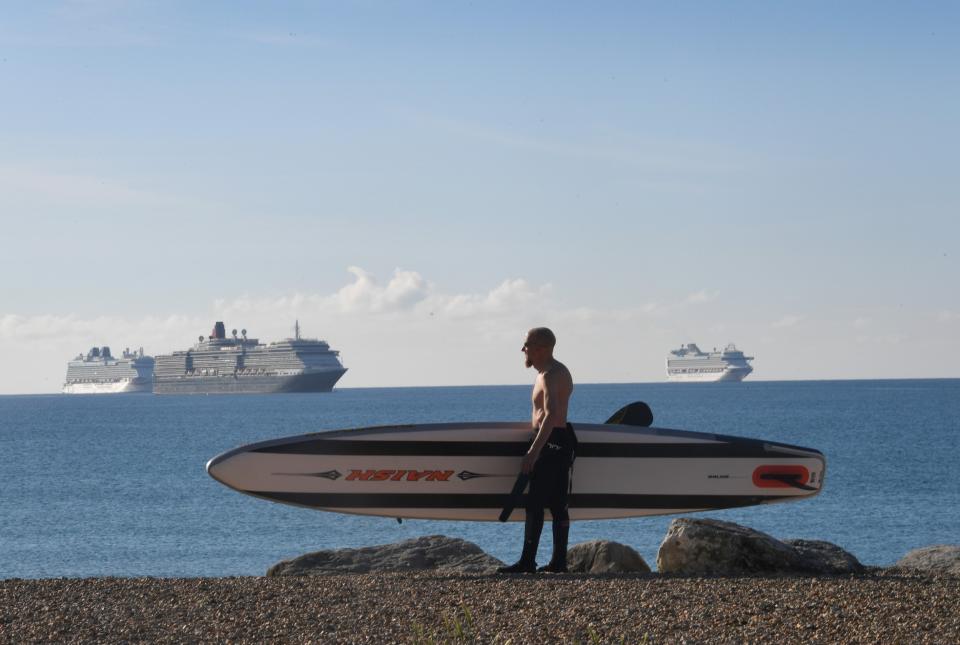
{"type": "Point", "coordinates": [419, 500]}
{"type": "Point", "coordinates": [741, 448]}
{"type": "Point", "coordinates": [404, 448]}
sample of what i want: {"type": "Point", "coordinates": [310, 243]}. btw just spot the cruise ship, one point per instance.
{"type": "Point", "coordinates": [100, 373]}
{"type": "Point", "coordinates": [689, 364]}
{"type": "Point", "coordinates": [241, 365]}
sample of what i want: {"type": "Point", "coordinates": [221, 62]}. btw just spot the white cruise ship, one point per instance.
{"type": "Point", "coordinates": [689, 364]}
{"type": "Point", "coordinates": [100, 373]}
{"type": "Point", "coordinates": [241, 365]}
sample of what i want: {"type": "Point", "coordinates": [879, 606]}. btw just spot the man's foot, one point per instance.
{"type": "Point", "coordinates": [519, 567]}
{"type": "Point", "coordinates": [553, 568]}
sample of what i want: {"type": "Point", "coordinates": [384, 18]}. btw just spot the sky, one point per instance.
{"type": "Point", "coordinates": [419, 183]}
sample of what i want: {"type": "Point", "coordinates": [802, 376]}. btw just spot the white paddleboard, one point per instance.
{"type": "Point", "coordinates": [465, 471]}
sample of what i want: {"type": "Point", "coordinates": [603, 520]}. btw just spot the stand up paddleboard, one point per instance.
{"type": "Point", "coordinates": [465, 471]}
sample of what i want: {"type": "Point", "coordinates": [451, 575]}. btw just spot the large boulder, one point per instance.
{"type": "Point", "coordinates": [602, 556]}
{"type": "Point", "coordinates": [817, 556]}
{"type": "Point", "coordinates": [713, 547]}
{"type": "Point", "coordinates": [428, 552]}
{"type": "Point", "coordinates": [942, 558]}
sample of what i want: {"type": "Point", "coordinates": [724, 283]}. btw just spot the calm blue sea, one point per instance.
{"type": "Point", "coordinates": [115, 485]}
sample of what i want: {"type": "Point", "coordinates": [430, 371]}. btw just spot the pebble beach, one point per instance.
{"type": "Point", "coordinates": [879, 607]}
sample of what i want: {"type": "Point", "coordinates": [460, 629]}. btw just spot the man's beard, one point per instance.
{"type": "Point", "coordinates": [527, 362]}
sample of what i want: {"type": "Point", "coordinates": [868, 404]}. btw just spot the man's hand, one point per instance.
{"type": "Point", "coordinates": [526, 466]}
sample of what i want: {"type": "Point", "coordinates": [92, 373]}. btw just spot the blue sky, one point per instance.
{"type": "Point", "coordinates": [636, 175]}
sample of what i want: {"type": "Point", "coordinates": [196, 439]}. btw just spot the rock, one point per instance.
{"type": "Point", "coordinates": [818, 556]}
{"type": "Point", "coordinates": [705, 547]}
{"type": "Point", "coordinates": [713, 547]}
{"type": "Point", "coordinates": [942, 558]}
{"type": "Point", "coordinates": [602, 556]}
{"type": "Point", "coordinates": [428, 552]}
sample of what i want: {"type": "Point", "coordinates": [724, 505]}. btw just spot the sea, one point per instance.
{"type": "Point", "coordinates": [114, 485]}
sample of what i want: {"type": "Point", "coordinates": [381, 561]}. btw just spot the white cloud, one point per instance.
{"type": "Point", "coordinates": [948, 316]}
{"type": "Point", "coordinates": [861, 322]}
{"type": "Point", "coordinates": [22, 185]}
{"type": "Point", "coordinates": [701, 297]}
{"type": "Point", "coordinates": [508, 297]}
{"type": "Point", "coordinates": [406, 330]}
{"type": "Point", "coordinates": [398, 332]}
{"type": "Point", "coordinates": [789, 320]}
{"type": "Point", "coordinates": [404, 290]}
{"type": "Point", "coordinates": [407, 294]}
{"type": "Point", "coordinates": [363, 296]}
{"type": "Point", "coordinates": [70, 329]}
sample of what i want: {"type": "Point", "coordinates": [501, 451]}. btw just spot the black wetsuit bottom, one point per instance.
{"type": "Point", "coordinates": [549, 487]}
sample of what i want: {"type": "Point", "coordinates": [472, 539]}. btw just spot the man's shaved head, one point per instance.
{"type": "Point", "coordinates": [542, 336]}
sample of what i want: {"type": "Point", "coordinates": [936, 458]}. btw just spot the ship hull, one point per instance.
{"type": "Point", "coordinates": [249, 384]}
{"type": "Point", "coordinates": [730, 375]}
{"type": "Point", "coordinates": [115, 387]}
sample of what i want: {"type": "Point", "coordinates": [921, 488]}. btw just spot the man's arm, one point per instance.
{"type": "Point", "coordinates": [551, 399]}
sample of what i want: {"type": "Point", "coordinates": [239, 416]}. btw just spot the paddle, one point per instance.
{"type": "Point", "coordinates": [518, 487]}
{"type": "Point", "coordinates": [637, 413]}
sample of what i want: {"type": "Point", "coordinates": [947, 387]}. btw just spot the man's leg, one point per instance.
{"type": "Point", "coordinates": [549, 483]}
{"type": "Point", "coordinates": [559, 508]}
{"type": "Point", "coordinates": [561, 536]}
{"type": "Point", "coordinates": [532, 528]}
{"type": "Point", "coordinates": [533, 525]}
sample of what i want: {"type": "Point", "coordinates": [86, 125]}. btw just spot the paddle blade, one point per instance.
{"type": "Point", "coordinates": [514, 499]}
{"type": "Point", "coordinates": [637, 413]}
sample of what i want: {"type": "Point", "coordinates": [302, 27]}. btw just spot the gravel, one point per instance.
{"type": "Point", "coordinates": [878, 607]}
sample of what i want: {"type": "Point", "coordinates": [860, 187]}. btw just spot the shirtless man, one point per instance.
{"type": "Point", "coordinates": [550, 455]}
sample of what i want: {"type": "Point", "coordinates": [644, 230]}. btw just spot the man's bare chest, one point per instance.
{"type": "Point", "coordinates": [537, 397]}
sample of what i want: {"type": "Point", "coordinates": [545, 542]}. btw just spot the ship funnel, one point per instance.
{"type": "Point", "coordinates": [105, 352]}
{"type": "Point", "coordinates": [95, 352]}
{"type": "Point", "coordinates": [219, 331]}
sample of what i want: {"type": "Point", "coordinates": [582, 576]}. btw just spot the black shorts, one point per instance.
{"type": "Point", "coordinates": [550, 479]}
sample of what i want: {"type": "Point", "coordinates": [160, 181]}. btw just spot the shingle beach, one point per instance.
{"type": "Point", "coordinates": [880, 607]}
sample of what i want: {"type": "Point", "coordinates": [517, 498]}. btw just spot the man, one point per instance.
{"type": "Point", "coordinates": [550, 456]}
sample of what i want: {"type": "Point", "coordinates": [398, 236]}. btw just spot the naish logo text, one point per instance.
{"type": "Point", "coordinates": [399, 475]}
